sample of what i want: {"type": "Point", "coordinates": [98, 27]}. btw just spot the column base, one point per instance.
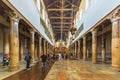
{"type": "Point", "coordinates": [85, 59]}
{"type": "Point", "coordinates": [13, 68]}
{"type": "Point", "coordinates": [94, 62]}
{"type": "Point", "coordinates": [116, 66]}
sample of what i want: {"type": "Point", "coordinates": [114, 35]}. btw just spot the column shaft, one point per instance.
{"type": "Point", "coordinates": [94, 46]}
{"type": "Point", "coordinates": [40, 52]}
{"type": "Point", "coordinates": [116, 40]}
{"type": "Point", "coordinates": [32, 46]}
{"type": "Point", "coordinates": [44, 47]}
{"type": "Point", "coordinates": [78, 49]}
{"type": "Point", "coordinates": [84, 49]}
{"type": "Point", "coordinates": [14, 41]}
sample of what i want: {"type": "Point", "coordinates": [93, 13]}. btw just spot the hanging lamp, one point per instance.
{"type": "Point", "coordinates": [72, 29]}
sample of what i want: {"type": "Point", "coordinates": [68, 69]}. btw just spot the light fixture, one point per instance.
{"type": "Point", "coordinates": [72, 29]}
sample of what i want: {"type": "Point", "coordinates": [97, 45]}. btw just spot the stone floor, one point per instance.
{"type": "Point", "coordinates": [34, 73]}
{"type": "Point", "coordinates": [63, 70]}
{"type": "Point", "coordinates": [82, 70]}
{"type": "Point", "coordinates": [4, 71]}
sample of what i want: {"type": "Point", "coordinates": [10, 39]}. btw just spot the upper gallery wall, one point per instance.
{"type": "Point", "coordinates": [97, 10]}
{"type": "Point", "coordinates": [29, 10]}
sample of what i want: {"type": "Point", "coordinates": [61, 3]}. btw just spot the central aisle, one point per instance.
{"type": "Point", "coordinates": [81, 70]}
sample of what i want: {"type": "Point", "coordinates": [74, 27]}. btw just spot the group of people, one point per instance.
{"type": "Point", "coordinates": [45, 58]}
{"type": "Point", "coordinates": [28, 60]}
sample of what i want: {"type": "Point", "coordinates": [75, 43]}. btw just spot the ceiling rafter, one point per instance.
{"type": "Point", "coordinates": [57, 5]}
{"type": "Point", "coordinates": [53, 3]}
{"type": "Point", "coordinates": [64, 9]}
{"type": "Point", "coordinates": [71, 3]}
{"type": "Point", "coordinates": [59, 26]}
{"type": "Point", "coordinates": [54, 14]}
{"type": "Point", "coordinates": [60, 17]}
{"type": "Point", "coordinates": [59, 14]}
{"type": "Point", "coordinates": [60, 23]}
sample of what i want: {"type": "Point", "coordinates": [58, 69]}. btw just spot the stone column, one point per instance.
{"type": "Point", "coordinates": [14, 41]}
{"type": "Point", "coordinates": [116, 39]}
{"type": "Point", "coordinates": [48, 48]}
{"type": "Point", "coordinates": [32, 45]}
{"type": "Point", "coordinates": [72, 48]}
{"type": "Point", "coordinates": [103, 49]}
{"type": "Point", "coordinates": [78, 49]}
{"type": "Point", "coordinates": [87, 53]}
{"type": "Point", "coordinates": [75, 50]}
{"type": "Point", "coordinates": [40, 47]}
{"type": "Point", "coordinates": [84, 49]}
{"type": "Point", "coordinates": [94, 46]}
{"type": "Point", "coordinates": [44, 47]}
{"type": "Point", "coordinates": [5, 41]}
{"type": "Point", "coordinates": [21, 48]}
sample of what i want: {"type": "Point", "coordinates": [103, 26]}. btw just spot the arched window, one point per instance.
{"type": "Point", "coordinates": [81, 13]}
{"type": "Point", "coordinates": [38, 4]}
{"type": "Point", "coordinates": [43, 14]}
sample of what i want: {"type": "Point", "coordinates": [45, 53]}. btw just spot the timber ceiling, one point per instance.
{"type": "Point", "coordinates": [61, 13]}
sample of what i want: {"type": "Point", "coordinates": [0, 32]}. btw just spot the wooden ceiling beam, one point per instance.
{"type": "Point", "coordinates": [60, 23]}
{"type": "Point", "coordinates": [60, 29]}
{"type": "Point", "coordinates": [64, 32]}
{"type": "Point", "coordinates": [71, 3]}
{"type": "Point", "coordinates": [60, 17]}
{"type": "Point", "coordinates": [60, 26]}
{"type": "Point", "coordinates": [52, 3]}
{"type": "Point", "coordinates": [64, 9]}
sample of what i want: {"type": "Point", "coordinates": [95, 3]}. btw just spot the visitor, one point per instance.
{"type": "Point", "coordinates": [44, 58]}
{"type": "Point", "coordinates": [28, 59]}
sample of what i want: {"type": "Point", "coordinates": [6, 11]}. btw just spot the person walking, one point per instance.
{"type": "Point", "coordinates": [27, 59]}
{"type": "Point", "coordinates": [44, 58]}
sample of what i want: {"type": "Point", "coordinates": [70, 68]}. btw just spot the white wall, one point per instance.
{"type": "Point", "coordinates": [97, 10]}
{"type": "Point", "coordinates": [28, 9]}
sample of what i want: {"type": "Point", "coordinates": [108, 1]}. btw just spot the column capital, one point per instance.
{"type": "Point", "coordinates": [78, 41]}
{"type": "Point", "coordinates": [32, 31]}
{"type": "Point", "coordinates": [40, 37]}
{"type": "Point", "coordinates": [93, 31]}
{"type": "Point", "coordinates": [115, 16]}
{"type": "Point", "coordinates": [14, 16]}
{"type": "Point", "coordinates": [84, 37]}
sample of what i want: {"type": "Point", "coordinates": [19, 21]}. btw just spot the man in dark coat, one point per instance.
{"type": "Point", "coordinates": [27, 59]}
{"type": "Point", "coordinates": [44, 58]}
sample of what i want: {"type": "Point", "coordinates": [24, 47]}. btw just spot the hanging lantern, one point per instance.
{"type": "Point", "coordinates": [72, 30]}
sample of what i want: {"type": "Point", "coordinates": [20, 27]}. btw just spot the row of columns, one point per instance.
{"type": "Point", "coordinates": [11, 43]}
{"type": "Point", "coordinates": [115, 20]}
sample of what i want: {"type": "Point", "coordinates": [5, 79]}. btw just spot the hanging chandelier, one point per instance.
{"type": "Point", "coordinates": [72, 29]}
